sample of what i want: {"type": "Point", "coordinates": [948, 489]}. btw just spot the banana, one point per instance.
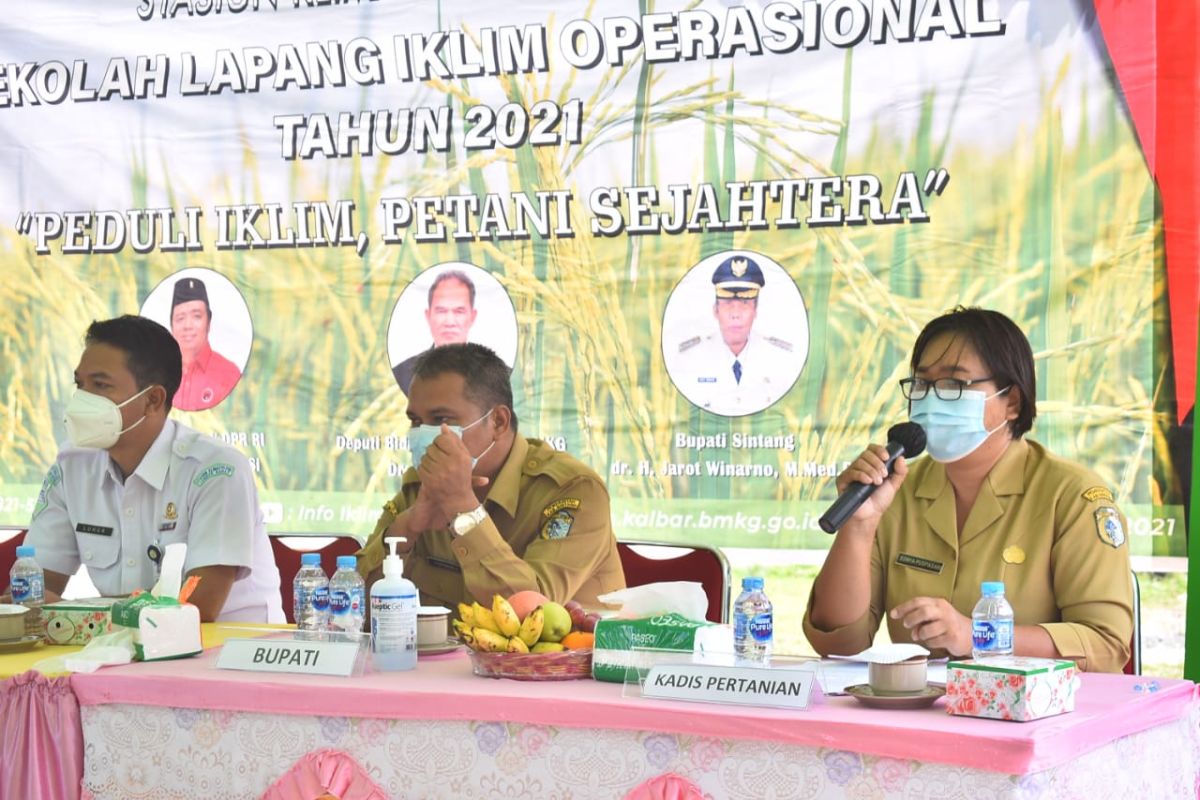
{"type": "Point", "coordinates": [484, 618]}
{"type": "Point", "coordinates": [531, 628]}
{"type": "Point", "coordinates": [546, 647]}
{"type": "Point", "coordinates": [490, 641]}
{"type": "Point", "coordinates": [515, 645]}
{"type": "Point", "coordinates": [466, 614]}
{"type": "Point", "coordinates": [506, 619]}
{"type": "Point", "coordinates": [463, 630]}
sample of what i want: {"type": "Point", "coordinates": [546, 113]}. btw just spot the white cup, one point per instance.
{"type": "Point", "coordinates": [12, 622]}
{"type": "Point", "coordinates": [433, 625]}
{"type": "Point", "coordinates": [904, 677]}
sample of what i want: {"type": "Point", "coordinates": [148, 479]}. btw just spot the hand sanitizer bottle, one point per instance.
{"type": "Point", "coordinates": [393, 615]}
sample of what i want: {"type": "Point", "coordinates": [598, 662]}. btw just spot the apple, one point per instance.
{"type": "Point", "coordinates": [558, 622]}
{"type": "Point", "coordinates": [589, 622]}
{"type": "Point", "coordinates": [525, 602]}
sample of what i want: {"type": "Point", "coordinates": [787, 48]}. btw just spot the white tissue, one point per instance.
{"type": "Point", "coordinates": [686, 598]}
{"type": "Point", "coordinates": [170, 577]}
{"type": "Point", "coordinates": [887, 653]}
{"type": "Point", "coordinates": [110, 648]}
{"type": "Point", "coordinates": [100, 657]}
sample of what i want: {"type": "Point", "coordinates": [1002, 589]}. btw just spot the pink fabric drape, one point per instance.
{"type": "Point", "coordinates": [322, 773]}
{"type": "Point", "coordinates": [667, 786]}
{"type": "Point", "coordinates": [41, 740]}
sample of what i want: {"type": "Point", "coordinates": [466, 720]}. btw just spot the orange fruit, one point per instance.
{"type": "Point", "coordinates": [579, 640]}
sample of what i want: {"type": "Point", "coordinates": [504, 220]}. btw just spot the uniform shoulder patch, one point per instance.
{"type": "Point", "coordinates": [782, 344]}
{"type": "Point", "coordinates": [688, 344]}
{"type": "Point", "coordinates": [1109, 527]}
{"type": "Point", "coordinates": [53, 478]}
{"type": "Point", "coordinates": [220, 470]}
{"type": "Point", "coordinates": [558, 525]}
{"type": "Point", "coordinates": [572, 503]}
{"type": "Point", "coordinates": [1097, 493]}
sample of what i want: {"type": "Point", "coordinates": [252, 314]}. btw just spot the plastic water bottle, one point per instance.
{"type": "Point", "coordinates": [752, 624]}
{"type": "Point", "coordinates": [28, 587]}
{"type": "Point", "coordinates": [311, 597]}
{"type": "Point", "coordinates": [992, 623]}
{"type": "Point", "coordinates": [346, 597]}
{"type": "Point", "coordinates": [393, 616]}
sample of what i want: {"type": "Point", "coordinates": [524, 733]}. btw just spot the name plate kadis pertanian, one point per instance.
{"type": "Point", "coordinates": [750, 686]}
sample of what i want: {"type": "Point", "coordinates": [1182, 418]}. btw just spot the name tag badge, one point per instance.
{"type": "Point", "coordinates": [923, 564]}
{"type": "Point", "coordinates": [341, 658]}
{"type": "Point", "coordinates": [98, 530]}
{"type": "Point", "coordinates": [442, 563]}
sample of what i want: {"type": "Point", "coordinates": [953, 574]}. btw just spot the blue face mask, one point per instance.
{"type": "Point", "coordinates": [953, 428]}
{"type": "Point", "coordinates": [421, 436]}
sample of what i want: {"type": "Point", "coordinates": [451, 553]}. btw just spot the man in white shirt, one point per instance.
{"type": "Point", "coordinates": [735, 370]}
{"type": "Point", "coordinates": [133, 481]}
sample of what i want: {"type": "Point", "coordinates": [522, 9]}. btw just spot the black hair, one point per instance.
{"type": "Point", "coordinates": [452, 275]}
{"type": "Point", "coordinates": [1000, 344]}
{"type": "Point", "coordinates": [486, 378]}
{"type": "Point", "coordinates": [151, 352]}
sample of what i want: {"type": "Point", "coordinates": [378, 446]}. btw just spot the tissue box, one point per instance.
{"type": "Point", "coordinates": [162, 627]}
{"type": "Point", "coordinates": [76, 621]}
{"type": "Point", "coordinates": [613, 652]}
{"type": "Point", "coordinates": [1011, 687]}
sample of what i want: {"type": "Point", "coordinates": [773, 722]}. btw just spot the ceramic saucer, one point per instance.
{"type": "Point", "coordinates": [448, 646]}
{"type": "Point", "coordinates": [926, 697]}
{"type": "Point", "coordinates": [20, 645]}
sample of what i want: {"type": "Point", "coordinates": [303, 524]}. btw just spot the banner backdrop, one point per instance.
{"type": "Point", "coordinates": [346, 185]}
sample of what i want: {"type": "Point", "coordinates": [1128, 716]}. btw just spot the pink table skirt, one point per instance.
{"type": "Point", "coordinates": [41, 741]}
{"type": "Point", "coordinates": [180, 753]}
{"type": "Point", "coordinates": [444, 689]}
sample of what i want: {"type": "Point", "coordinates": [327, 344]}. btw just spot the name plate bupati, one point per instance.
{"type": "Point", "coordinates": [749, 686]}
{"type": "Point", "coordinates": [287, 655]}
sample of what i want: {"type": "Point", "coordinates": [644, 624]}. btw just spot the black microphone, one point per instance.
{"type": "Point", "coordinates": [906, 439]}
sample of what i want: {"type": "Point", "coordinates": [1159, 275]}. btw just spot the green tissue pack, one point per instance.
{"type": "Point", "coordinates": [163, 628]}
{"type": "Point", "coordinates": [616, 639]}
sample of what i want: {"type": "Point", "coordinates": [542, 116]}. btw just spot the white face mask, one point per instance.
{"type": "Point", "coordinates": [953, 428]}
{"type": "Point", "coordinates": [95, 421]}
{"type": "Point", "coordinates": [421, 436]}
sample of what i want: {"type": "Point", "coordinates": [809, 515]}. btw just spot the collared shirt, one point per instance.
{"type": "Point", "coordinates": [703, 370]}
{"type": "Point", "coordinates": [1045, 526]}
{"type": "Point", "coordinates": [188, 488]}
{"type": "Point", "coordinates": [206, 381]}
{"type": "Point", "coordinates": [547, 528]}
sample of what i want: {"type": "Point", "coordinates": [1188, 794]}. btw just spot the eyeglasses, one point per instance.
{"type": "Point", "coordinates": [944, 388]}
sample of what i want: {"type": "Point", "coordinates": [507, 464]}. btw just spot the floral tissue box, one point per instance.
{"type": "Point", "coordinates": [1011, 687]}
{"type": "Point", "coordinates": [76, 621]}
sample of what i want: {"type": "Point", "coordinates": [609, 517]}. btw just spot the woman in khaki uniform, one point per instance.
{"type": "Point", "coordinates": [986, 505]}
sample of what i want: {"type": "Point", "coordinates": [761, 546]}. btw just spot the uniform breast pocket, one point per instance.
{"type": "Point", "coordinates": [98, 553]}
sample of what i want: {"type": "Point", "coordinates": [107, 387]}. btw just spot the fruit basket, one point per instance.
{"type": "Point", "coordinates": [564, 665]}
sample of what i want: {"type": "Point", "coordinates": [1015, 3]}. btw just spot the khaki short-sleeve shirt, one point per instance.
{"type": "Point", "coordinates": [1046, 527]}
{"type": "Point", "coordinates": [548, 528]}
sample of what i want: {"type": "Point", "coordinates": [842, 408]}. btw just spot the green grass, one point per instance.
{"type": "Point", "coordinates": [1163, 597]}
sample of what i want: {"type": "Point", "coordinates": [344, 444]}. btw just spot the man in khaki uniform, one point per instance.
{"type": "Point", "coordinates": [486, 510]}
{"type": "Point", "coordinates": [986, 505]}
